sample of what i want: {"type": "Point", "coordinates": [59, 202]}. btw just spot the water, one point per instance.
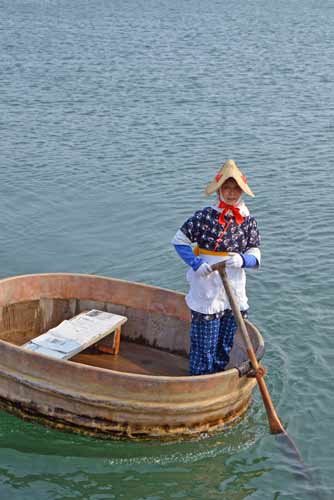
{"type": "Point", "coordinates": [114, 116]}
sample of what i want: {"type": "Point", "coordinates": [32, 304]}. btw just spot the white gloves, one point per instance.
{"type": "Point", "coordinates": [234, 260]}
{"type": "Point", "coordinates": [204, 270]}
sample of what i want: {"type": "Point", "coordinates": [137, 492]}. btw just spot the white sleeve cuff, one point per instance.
{"type": "Point", "coordinates": [180, 239]}
{"type": "Point", "coordinates": [257, 254]}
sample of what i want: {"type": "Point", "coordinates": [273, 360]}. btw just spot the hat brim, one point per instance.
{"type": "Point", "coordinates": [216, 185]}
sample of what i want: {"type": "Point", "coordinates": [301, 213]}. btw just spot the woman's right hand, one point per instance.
{"type": "Point", "coordinates": [204, 270]}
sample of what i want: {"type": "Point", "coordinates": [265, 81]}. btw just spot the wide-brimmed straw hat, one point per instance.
{"type": "Point", "coordinates": [229, 170]}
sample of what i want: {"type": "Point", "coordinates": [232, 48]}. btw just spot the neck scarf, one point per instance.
{"type": "Point", "coordinates": [235, 211]}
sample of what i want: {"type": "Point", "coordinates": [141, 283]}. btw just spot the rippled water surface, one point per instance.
{"type": "Point", "coordinates": [113, 116]}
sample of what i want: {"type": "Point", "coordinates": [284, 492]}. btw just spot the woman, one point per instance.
{"type": "Point", "coordinates": [224, 231]}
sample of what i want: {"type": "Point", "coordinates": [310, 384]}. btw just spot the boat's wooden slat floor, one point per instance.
{"type": "Point", "coordinates": [137, 358]}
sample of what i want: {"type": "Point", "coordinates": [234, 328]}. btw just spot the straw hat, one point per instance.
{"type": "Point", "coordinates": [229, 169]}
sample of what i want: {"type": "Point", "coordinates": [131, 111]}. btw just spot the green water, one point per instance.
{"type": "Point", "coordinates": [113, 116]}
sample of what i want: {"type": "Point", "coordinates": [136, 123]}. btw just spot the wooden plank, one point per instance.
{"type": "Point", "coordinates": [138, 358]}
{"type": "Point", "coordinates": [74, 335]}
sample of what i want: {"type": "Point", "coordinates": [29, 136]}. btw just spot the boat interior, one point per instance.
{"type": "Point", "coordinates": [151, 342]}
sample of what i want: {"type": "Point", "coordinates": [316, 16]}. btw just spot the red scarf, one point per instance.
{"type": "Point", "coordinates": [235, 211]}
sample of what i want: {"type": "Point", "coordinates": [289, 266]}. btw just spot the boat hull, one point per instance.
{"type": "Point", "coordinates": [111, 403]}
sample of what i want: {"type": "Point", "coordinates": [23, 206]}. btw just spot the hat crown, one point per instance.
{"type": "Point", "coordinates": [228, 166]}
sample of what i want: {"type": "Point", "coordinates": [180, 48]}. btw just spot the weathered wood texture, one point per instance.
{"type": "Point", "coordinates": [152, 329]}
{"type": "Point", "coordinates": [100, 400]}
{"type": "Point", "coordinates": [137, 358]}
{"type": "Point", "coordinates": [37, 317]}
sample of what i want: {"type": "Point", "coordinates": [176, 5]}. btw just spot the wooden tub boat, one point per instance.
{"type": "Point", "coordinates": [142, 392]}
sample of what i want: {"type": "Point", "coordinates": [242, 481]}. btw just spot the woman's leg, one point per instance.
{"type": "Point", "coordinates": [204, 336]}
{"type": "Point", "coordinates": [227, 330]}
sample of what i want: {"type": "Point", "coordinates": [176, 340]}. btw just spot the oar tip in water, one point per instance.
{"type": "Point", "coordinates": [274, 422]}
{"type": "Point", "coordinates": [275, 425]}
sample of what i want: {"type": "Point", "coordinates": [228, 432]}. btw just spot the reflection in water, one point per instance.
{"type": "Point", "coordinates": [229, 464]}
{"type": "Point", "coordinates": [33, 438]}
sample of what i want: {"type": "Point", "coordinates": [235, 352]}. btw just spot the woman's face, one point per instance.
{"type": "Point", "coordinates": [230, 191]}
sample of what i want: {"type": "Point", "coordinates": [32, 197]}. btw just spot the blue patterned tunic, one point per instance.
{"type": "Point", "coordinates": [204, 229]}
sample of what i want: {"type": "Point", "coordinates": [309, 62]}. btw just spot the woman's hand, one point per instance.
{"type": "Point", "coordinates": [204, 270]}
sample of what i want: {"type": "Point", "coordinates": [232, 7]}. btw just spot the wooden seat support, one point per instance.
{"type": "Point", "coordinates": [116, 344]}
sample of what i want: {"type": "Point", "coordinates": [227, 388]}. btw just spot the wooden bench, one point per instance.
{"type": "Point", "coordinates": [76, 334]}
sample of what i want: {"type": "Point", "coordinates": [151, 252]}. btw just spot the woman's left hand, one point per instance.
{"type": "Point", "coordinates": [235, 260]}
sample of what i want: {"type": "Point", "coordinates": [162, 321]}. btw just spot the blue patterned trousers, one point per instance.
{"type": "Point", "coordinates": [211, 341]}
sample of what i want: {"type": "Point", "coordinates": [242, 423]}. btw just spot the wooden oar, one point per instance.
{"type": "Point", "coordinates": [275, 424]}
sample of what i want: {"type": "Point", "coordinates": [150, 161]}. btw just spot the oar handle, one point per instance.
{"type": "Point", "coordinates": [274, 422]}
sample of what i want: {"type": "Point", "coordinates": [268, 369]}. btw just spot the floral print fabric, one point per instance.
{"type": "Point", "coordinates": [204, 229]}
